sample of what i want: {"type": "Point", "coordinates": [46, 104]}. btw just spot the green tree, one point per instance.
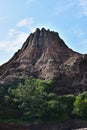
{"type": "Point", "coordinates": [31, 97]}
{"type": "Point", "coordinates": [68, 100]}
{"type": "Point", "coordinates": [80, 105]}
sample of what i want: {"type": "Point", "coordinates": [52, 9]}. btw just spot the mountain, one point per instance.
{"type": "Point", "coordinates": [45, 55]}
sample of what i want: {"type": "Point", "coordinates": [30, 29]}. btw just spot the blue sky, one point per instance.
{"type": "Point", "coordinates": [18, 18]}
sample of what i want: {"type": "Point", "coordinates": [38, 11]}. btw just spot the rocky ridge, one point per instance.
{"type": "Point", "coordinates": [45, 55]}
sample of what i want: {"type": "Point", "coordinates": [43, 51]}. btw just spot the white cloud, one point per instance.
{"type": "Point", "coordinates": [15, 37]}
{"type": "Point", "coordinates": [14, 43]}
{"type": "Point", "coordinates": [83, 6]}
{"type": "Point", "coordinates": [21, 37]}
{"type": "Point", "coordinates": [25, 22]}
{"type": "Point", "coordinates": [11, 32]}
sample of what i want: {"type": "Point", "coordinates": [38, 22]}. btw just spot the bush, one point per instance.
{"type": "Point", "coordinates": [80, 105]}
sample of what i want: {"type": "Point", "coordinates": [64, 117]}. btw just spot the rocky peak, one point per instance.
{"type": "Point", "coordinates": [39, 36]}
{"type": "Point", "coordinates": [45, 55]}
{"type": "Point", "coordinates": [43, 51]}
{"type": "Point", "coordinates": [46, 40]}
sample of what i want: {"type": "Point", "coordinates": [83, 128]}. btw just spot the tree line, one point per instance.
{"type": "Point", "coordinates": [33, 100]}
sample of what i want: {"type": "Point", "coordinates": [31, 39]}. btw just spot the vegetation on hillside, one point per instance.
{"type": "Point", "coordinates": [33, 100]}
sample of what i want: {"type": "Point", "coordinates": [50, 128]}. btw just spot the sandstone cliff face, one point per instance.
{"type": "Point", "coordinates": [45, 55]}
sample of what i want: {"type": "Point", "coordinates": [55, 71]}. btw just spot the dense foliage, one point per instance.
{"type": "Point", "coordinates": [80, 105]}
{"type": "Point", "coordinates": [33, 100]}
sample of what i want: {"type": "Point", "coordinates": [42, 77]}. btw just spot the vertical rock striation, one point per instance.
{"type": "Point", "coordinates": [45, 55]}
